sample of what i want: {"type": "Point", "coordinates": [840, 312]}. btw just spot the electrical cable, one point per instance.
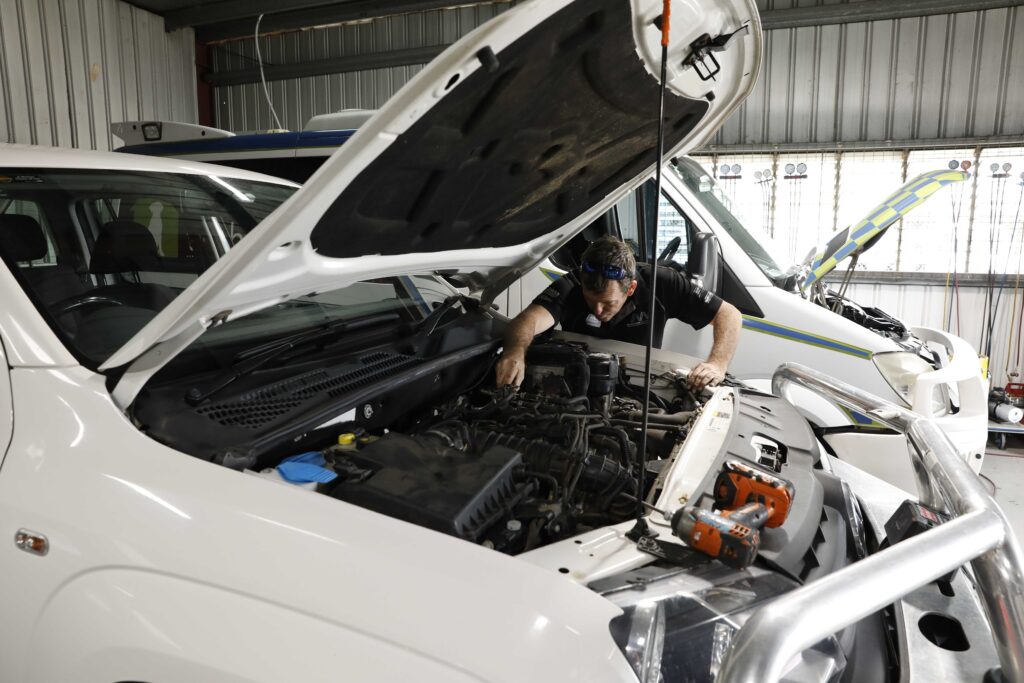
{"type": "Point", "coordinates": [994, 488]}
{"type": "Point", "coordinates": [1002, 285]}
{"type": "Point", "coordinates": [263, 79]}
{"type": "Point", "coordinates": [955, 294]}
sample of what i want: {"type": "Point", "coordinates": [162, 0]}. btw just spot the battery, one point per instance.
{"type": "Point", "coordinates": [912, 518]}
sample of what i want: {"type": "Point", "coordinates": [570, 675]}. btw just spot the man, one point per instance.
{"type": "Point", "coordinates": [610, 298]}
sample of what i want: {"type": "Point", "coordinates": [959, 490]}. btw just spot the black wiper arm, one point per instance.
{"type": "Point", "coordinates": [253, 359]}
{"type": "Point", "coordinates": [432, 320]}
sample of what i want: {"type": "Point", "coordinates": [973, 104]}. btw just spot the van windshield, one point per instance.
{"type": "Point", "coordinates": [759, 246]}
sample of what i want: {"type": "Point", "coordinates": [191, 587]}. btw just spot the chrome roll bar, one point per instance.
{"type": "Point", "coordinates": [979, 533]}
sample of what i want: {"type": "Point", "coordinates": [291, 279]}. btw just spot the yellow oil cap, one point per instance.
{"type": "Point", "coordinates": [346, 439]}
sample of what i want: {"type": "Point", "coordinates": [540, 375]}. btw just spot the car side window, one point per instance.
{"type": "Point", "coordinates": [24, 207]}
{"type": "Point", "coordinates": [671, 224]}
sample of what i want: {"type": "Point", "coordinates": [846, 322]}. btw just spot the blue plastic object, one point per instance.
{"type": "Point", "coordinates": [305, 468]}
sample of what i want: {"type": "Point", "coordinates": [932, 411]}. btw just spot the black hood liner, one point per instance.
{"type": "Point", "coordinates": [568, 115]}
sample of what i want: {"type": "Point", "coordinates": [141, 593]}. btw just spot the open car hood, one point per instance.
{"type": "Point", "coordinates": [490, 158]}
{"type": "Point", "coordinates": [855, 240]}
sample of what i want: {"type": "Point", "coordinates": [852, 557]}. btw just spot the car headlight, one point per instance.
{"type": "Point", "coordinates": [679, 625]}
{"type": "Point", "coordinates": [901, 370]}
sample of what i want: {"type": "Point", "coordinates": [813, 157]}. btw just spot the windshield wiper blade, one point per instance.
{"type": "Point", "coordinates": [255, 358]}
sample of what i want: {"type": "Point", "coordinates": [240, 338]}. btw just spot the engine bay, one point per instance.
{"type": "Point", "coordinates": [416, 430]}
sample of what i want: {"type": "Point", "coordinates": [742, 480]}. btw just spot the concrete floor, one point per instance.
{"type": "Point", "coordinates": [1005, 470]}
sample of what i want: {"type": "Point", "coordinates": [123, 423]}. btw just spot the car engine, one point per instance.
{"type": "Point", "coordinates": [515, 469]}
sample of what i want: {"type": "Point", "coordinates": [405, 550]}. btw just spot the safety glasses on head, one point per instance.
{"type": "Point", "coordinates": [607, 270]}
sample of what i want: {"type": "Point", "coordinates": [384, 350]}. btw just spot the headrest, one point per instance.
{"type": "Point", "coordinates": [124, 247]}
{"type": "Point", "coordinates": [22, 238]}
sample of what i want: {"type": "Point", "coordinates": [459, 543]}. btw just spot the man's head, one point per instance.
{"type": "Point", "coordinates": [608, 276]}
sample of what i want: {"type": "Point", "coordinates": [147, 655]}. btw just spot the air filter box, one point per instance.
{"type": "Point", "coordinates": [420, 480]}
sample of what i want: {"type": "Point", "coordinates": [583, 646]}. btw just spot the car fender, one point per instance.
{"type": "Point", "coordinates": [143, 626]}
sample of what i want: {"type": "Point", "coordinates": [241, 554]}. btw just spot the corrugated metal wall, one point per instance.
{"type": "Point", "coordinates": [944, 76]}
{"type": "Point", "coordinates": [244, 107]}
{"type": "Point", "coordinates": [70, 68]}
{"type": "Point", "coordinates": [928, 305]}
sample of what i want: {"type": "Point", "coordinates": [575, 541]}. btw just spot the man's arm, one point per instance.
{"type": "Point", "coordinates": [511, 367]}
{"type": "Point", "coordinates": [726, 327]}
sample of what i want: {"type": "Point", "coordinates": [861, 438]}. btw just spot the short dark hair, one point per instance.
{"type": "Point", "coordinates": [608, 251]}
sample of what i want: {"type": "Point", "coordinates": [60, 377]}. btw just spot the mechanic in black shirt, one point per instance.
{"type": "Point", "coordinates": [609, 298]}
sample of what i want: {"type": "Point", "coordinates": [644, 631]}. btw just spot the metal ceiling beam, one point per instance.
{"type": "Point", "coordinates": [865, 10]}
{"type": "Point", "coordinates": [230, 10]}
{"type": "Point", "coordinates": [337, 65]}
{"type": "Point", "coordinates": [873, 10]}
{"type": "Point", "coordinates": [243, 16]}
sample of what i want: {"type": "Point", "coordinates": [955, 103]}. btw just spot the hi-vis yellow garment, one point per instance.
{"type": "Point", "coordinates": [849, 240]}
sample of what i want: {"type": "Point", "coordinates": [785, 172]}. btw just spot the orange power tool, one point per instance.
{"type": "Point", "coordinates": [732, 537]}
{"type": "Point", "coordinates": [739, 484]}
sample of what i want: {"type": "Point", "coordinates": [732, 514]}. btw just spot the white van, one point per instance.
{"type": "Point", "coordinates": [789, 316]}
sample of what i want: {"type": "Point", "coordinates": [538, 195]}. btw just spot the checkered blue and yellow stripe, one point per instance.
{"type": "Point", "coordinates": [888, 212]}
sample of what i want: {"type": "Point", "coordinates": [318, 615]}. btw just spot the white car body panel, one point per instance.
{"type": "Point", "coordinates": [150, 522]}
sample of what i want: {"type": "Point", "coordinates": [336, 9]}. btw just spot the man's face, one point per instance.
{"type": "Point", "coordinates": [606, 305]}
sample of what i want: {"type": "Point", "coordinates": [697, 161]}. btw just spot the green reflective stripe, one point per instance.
{"type": "Point", "coordinates": [908, 197]}
{"type": "Point", "coordinates": [872, 424]}
{"type": "Point", "coordinates": [551, 274]}
{"type": "Point", "coordinates": [802, 336]}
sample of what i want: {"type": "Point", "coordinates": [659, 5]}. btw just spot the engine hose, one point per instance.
{"type": "Point", "coordinates": [594, 473]}
{"type": "Point", "coordinates": [626, 448]}
{"type": "Point", "coordinates": [670, 428]}
{"type": "Point", "coordinates": [546, 478]}
{"type": "Point", "coordinates": [677, 419]}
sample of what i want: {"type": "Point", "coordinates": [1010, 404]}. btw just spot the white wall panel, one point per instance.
{"type": "Point", "coordinates": [244, 107]}
{"type": "Point", "coordinates": [70, 68]}
{"type": "Point", "coordinates": [943, 76]}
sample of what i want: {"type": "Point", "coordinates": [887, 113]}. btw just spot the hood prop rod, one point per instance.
{"type": "Point", "coordinates": [641, 529]}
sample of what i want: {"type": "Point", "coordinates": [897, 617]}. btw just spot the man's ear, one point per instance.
{"type": "Point", "coordinates": [632, 288]}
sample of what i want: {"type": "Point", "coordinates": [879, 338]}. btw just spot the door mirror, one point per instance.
{"type": "Point", "coordinates": [703, 264]}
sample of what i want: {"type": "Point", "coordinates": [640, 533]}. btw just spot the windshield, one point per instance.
{"type": "Point", "coordinates": [101, 252]}
{"type": "Point", "coordinates": [759, 246]}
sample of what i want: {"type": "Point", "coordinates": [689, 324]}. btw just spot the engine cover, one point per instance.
{"type": "Point", "coordinates": [423, 481]}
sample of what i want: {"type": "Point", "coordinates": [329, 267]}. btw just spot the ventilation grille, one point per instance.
{"type": "Point", "coordinates": [262, 406]}
{"type": "Point", "coordinates": [811, 559]}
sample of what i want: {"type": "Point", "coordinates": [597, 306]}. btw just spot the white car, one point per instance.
{"type": "Point", "coordinates": [249, 433]}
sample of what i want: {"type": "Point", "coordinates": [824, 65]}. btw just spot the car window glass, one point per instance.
{"type": "Point", "coordinates": [629, 221]}
{"type": "Point", "coordinates": [22, 207]}
{"type": "Point", "coordinates": [671, 224]}
{"type": "Point", "coordinates": [119, 244]}
{"type": "Point", "coordinates": [759, 246]}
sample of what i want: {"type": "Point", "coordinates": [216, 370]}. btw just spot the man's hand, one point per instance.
{"type": "Point", "coordinates": [705, 374]}
{"type": "Point", "coordinates": [511, 369]}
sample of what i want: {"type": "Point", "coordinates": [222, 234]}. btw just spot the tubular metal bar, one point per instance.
{"type": "Point", "coordinates": [980, 533]}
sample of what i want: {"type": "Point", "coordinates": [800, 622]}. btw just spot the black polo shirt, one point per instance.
{"type": "Point", "coordinates": [677, 298]}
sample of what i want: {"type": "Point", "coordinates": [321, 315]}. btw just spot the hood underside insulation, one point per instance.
{"type": "Point", "coordinates": [545, 129]}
